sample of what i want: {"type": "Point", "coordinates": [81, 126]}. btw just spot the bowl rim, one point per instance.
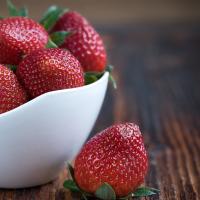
{"type": "Point", "coordinates": [68, 90]}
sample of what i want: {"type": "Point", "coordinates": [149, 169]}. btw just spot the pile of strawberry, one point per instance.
{"type": "Point", "coordinates": [61, 51]}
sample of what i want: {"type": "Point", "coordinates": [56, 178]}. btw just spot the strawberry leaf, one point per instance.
{"type": "Point", "coordinates": [59, 37]}
{"type": "Point", "coordinates": [96, 74]}
{"type": "Point", "coordinates": [71, 171]}
{"type": "Point", "coordinates": [144, 191]}
{"type": "Point", "coordinates": [51, 16]}
{"type": "Point", "coordinates": [12, 67]}
{"type": "Point", "coordinates": [71, 185]}
{"type": "Point", "coordinates": [126, 197]}
{"type": "Point", "coordinates": [91, 77]}
{"type": "Point", "coordinates": [1, 17]}
{"type": "Point", "coordinates": [51, 44]}
{"type": "Point", "coordinates": [49, 11]}
{"type": "Point", "coordinates": [105, 192]}
{"type": "Point", "coordinates": [13, 11]}
{"type": "Point", "coordinates": [23, 12]}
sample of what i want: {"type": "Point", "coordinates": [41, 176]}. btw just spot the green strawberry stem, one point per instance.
{"type": "Point", "coordinates": [112, 80]}
{"type": "Point", "coordinates": [59, 37]}
{"type": "Point", "coordinates": [105, 191]}
{"type": "Point", "coordinates": [13, 11]}
{"type": "Point", "coordinates": [110, 68]}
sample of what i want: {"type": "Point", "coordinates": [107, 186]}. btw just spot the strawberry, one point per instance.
{"type": "Point", "coordinates": [50, 69]}
{"type": "Point", "coordinates": [12, 94]}
{"type": "Point", "coordinates": [83, 42]}
{"type": "Point", "coordinates": [20, 36]}
{"type": "Point", "coordinates": [116, 156]}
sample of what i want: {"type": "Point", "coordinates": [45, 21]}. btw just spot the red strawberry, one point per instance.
{"type": "Point", "coordinates": [20, 36]}
{"type": "Point", "coordinates": [116, 156]}
{"type": "Point", "coordinates": [84, 42]}
{"type": "Point", "coordinates": [50, 69]}
{"type": "Point", "coordinates": [12, 94]}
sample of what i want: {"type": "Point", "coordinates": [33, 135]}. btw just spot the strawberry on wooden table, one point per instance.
{"type": "Point", "coordinates": [48, 70]}
{"type": "Point", "coordinates": [12, 94]}
{"type": "Point", "coordinates": [112, 164]}
{"type": "Point", "coordinates": [20, 36]}
{"type": "Point", "coordinates": [83, 42]}
{"type": "Point", "coordinates": [116, 156]}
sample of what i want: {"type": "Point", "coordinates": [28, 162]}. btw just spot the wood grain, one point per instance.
{"type": "Point", "coordinates": [158, 74]}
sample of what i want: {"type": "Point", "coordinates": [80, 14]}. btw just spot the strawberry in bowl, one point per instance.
{"type": "Point", "coordinates": [20, 36]}
{"type": "Point", "coordinates": [83, 41]}
{"type": "Point", "coordinates": [49, 104]}
{"type": "Point", "coordinates": [12, 94]}
{"type": "Point", "coordinates": [48, 70]}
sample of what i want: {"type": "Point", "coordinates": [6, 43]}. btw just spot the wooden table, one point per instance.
{"type": "Point", "coordinates": [158, 75]}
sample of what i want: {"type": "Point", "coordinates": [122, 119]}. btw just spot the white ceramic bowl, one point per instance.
{"type": "Point", "coordinates": [38, 137]}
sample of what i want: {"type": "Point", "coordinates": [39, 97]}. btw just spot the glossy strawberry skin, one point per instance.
{"type": "Point", "coordinates": [12, 94]}
{"type": "Point", "coordinates": [20, 36]}
{"type": "Point", "coordinates": [116, 156]}
{"type": "Point", "coordinates": [84, 42]}
{"type": "Point", "coordinates": [48, 70]}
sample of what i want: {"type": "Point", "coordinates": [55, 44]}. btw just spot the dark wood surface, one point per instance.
{"type": "Point", "coordinates": [158, 75]}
